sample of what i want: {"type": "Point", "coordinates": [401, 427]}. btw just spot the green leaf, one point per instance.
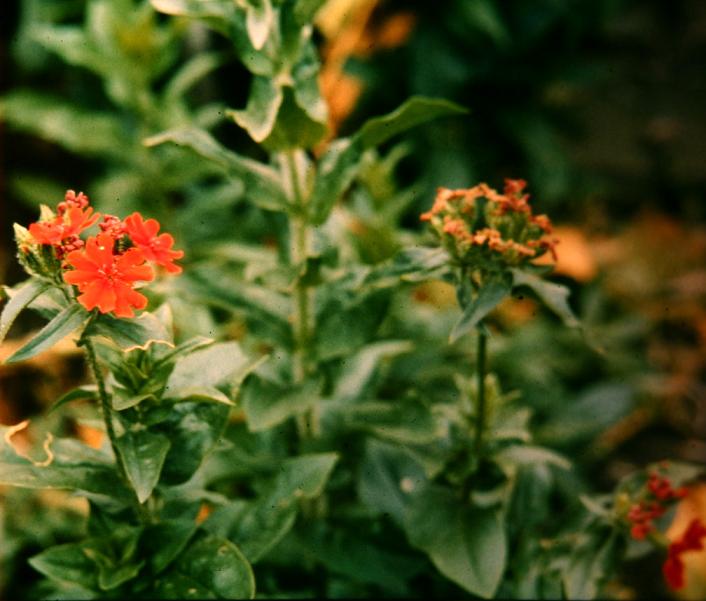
{"type": "Point", "coordinates": [66, 464]}
{"type": "Point", "coordinates": [195, 69]}
{"type": "Point", "coordinates": [528, 455]}
{"type": "Point", "coordinates": [81, 131]}
{"type": "Point", "coordinates": [207, 368]}
{"type": "Point", "coordinates": [193, 429]}
{"type": "Point", "coordinates": [399, 421]}
{"type": "Point", "coordinates": [414, 264]}
{"type": "Point", "coordinates": [164, 541]}
{"type": "Point", "coordinates": [259, 19]}
{"type": "Point", "coordinates": [294, 127]}
{"type": "Point", "coordinates": [360, 369]}
{"type": "Point", "coordinates": [342, 161]}
{"type": "Point", "coordinates": [413, 112]}
{"type": "Point", "coordinates": [209, 568]}
{"type": "Point", "coordinates": [216, 13]}
{"type": "Point", "coordinates": [554, 296]}
{"type": "Point", "coordinates": [388, 477]}
{"type": "Point", "coordinates": [267, 404]}
{"type": "Point", "coordinates": [143, 454]}
{"type": "Point", "coordinates": [466, 544]}
{"type": "Point", "coordinates": [488, 297]}
{"type": "Point", "coordinates": [262, 182]}
{"type": "Point", "coordinates": [203, 394]}
{"type": "Point", "coordinates": [70, 319]}
{"type": "Point", "coordinates": [19, 299]}
{"type": "Point", "coordinates": [120, 402]}
{"type": "Point", "coordinates": [590, 567]}
{"type": "Point", "coordinates": [259, 116]}
{"type": "Point", "coordinates": [89, 391]}
{"type": "Point", "coordinates": [128, 334]}
{"type": "Point", "coordinates": [67, 563]}
{"type": "Point", "coordinates": [305, 10]}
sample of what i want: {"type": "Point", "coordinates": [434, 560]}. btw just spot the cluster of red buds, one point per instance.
{"type": "Point", "coordinates": [657, 495]}
{"type": "Point", "coordinates": [483, 227]}
{"type": "Point", "coordinates": [105, 268]}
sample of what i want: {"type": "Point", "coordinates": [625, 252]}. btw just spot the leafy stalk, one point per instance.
{"type": "Point", "coordinates": [480, 396]}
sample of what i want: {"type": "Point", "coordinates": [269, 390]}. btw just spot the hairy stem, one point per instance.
{"type": "Point", "coordinates": [106, 411]}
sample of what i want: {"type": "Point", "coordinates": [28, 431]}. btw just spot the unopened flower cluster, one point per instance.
{"type": "Point", "coordinates": [480, 226]}
{"type": "Point", "coordinates": [105, 268]}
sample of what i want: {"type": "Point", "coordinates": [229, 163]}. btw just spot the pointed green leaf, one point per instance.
{"type": "Point", "coordinates": [67, 563]}
{"type": "Point", "coordinates": [266, 404]}
{"type": "Point", "coordinates": [143, 454]}
{"type": "Point", "coordinates": [209, 568]}
{"type": "Point", "coordinates": [19, 299]}
{"type": "Point", "coordinates": [90, 391]}
{"type": "Point", "coordinates": [135, 332]}
{"type": "Point", "coordinates": [413, 112]}
{"type": "Point", "coordinates": [70, 319]}
{"type": "Point", "coordinates": [259, 18]}
{"type": "Point", "coordinates": [216, 13]}
{"type": "Point", "coordinates": [120, 402]}
{"type": "Point", "coordinates": [398, 421]}
{"type": "Point", "coordinates": [466, 544]}
{"type": "Point", "coordinates": [203, 394]}
{"type": "Point", "coordinates": [262, 182]}
{"type": "Point", "coordinates": [259, 116]}
{"type": "Point", "coordinates": [554, 296]}
{"type": "Point", "coordinates": [489, 296]}
{"type": "Point", "coordinates": [164, 541]}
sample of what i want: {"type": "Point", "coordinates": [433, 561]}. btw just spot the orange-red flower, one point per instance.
{"type": "Point", "coordinates": [157, 248]}
{"type": "Point", "coordinates": [105, 279]}
{"type": "Point", "coordinates": [691, 540]}
{"type": "Point", "coordinates": [67, 225]}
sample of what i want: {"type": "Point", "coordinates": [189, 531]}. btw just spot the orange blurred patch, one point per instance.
{"type": "Point", "coordinates": [91, 436]}
{"type": "Point", "coordinates": [574, 255]}
{"type": "Point", "coordinates": [204, 511]}
{"type": "Point", "coordinates": [437, 293]}
{"type": "Point", "coordinates": [692, 506]}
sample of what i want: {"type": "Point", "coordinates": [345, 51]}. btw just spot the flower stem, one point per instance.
{"type": "Point", "coordinates": [300, 240]}
{"type": "Point", "coordinates": [106, 411]}
{"type": "Point", "coordinates": [480, 395]}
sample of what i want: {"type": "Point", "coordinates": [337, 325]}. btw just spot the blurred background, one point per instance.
{"type": "Point", "coordinates": [597, 103]}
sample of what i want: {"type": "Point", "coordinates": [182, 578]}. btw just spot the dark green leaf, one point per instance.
{"type": "Point", "coordinates": [267, 404]}
{"type": "Point", "coordinates": [143, 454]}
{"type": "Point", "coordinates": [209, 568]}
{"type": "Point", "coordinates": [554, 296]}
{"type": "Point", "coordinates": [399, 421]}
{"type": "Point", "coordinates": [164, 541]}
{"type": "Point", "coordinates": [67, 563]}
{"type": "Point", "coordinates": [467, 544]}
{"type": "Point", "coordinates": [19, 299]}
{"type": "Point", "coordinates": [70, 319]}
{"type": "Point", "coordinates": [589, 568]}
{"type": "Point", "coordinates": [90, 391]}
{"type": "Point", "coordinates": [262, 182]}
{"type": "Point", "coordinates": [488, 297]}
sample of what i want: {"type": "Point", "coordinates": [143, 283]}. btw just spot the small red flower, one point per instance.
{"type": "Point", "coordinates": [105, 279]}
{"type": "Point", "coordinates": [691, 540]}
{"type": "Point", "coordinates": [71, 222]}
{"type": "Point", "coordinates": [154, 248]}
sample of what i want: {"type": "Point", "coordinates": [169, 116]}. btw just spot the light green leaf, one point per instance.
{"type": "Point", "coordinates": [136, 332]}
{"type": "Point", "coordinates": [554, 296]}
{"type": "Point", "coordinates": [259, 18]}
{"type": "Point", "coordinates": [203, 394]}
{"type": "Point", "coordinates": [398, 421]}
{"type": "Point", "coordinates": [263, 184]}
{"type": "Point", "coordinates": [359, 370]}
{"type": "Point", "coordinates": [209, 568]}
{"type": "Point", "coordinates": [120, 402]}
{"type": "Point", "coordinates": [259, 116]}
{"type": "Point", "coordinates": [19, 299]}
{"type": "Point", "coordinates": [528, 455]}
{"type": "Point", "coordinates": [466, 544]}
{"type": "Point", "coordinates": [52, 119]}
{"type": "Point", "coordinates": [195, 69]}
{"type": "Point", "coordinates": [207, 368]}
{"type": "Point", "coordinates": [489, 296]}
{"type": "Point", "coordinates": [143, 454]}
{"type": "Point", "coordinates": [267, 404]}
{"type": "Point", "coordinates": [218, 14]}
{"type": "Point", "coordinates": [70, 319]}
{"type": "Point", "coordinates": [65, 464]}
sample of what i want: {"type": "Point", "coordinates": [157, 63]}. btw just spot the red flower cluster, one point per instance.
{"type": "Point", "coordinates": [106, 268]}
{"type": "Point", "coordinates": [509, 230]}
{"type": "Point", "coordinates": [643, 513]}
{"type": "Point", "coordinates": [691, 540]}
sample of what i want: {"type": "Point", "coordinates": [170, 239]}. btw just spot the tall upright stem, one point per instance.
{"type": "Point", "coordinates": [300, 241]}
{"type": "Point", "coordinates": [106, 411]}
{"type": "Point", "coordinates": [480, 396]}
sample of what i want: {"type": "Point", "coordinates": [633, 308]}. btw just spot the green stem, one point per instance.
{"type": "Point", "coordinates": [480, 396]}
{"type": "Point", "coordinates": [106, 411]}
{"type": "Point", "coordinates": [300, 237]}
